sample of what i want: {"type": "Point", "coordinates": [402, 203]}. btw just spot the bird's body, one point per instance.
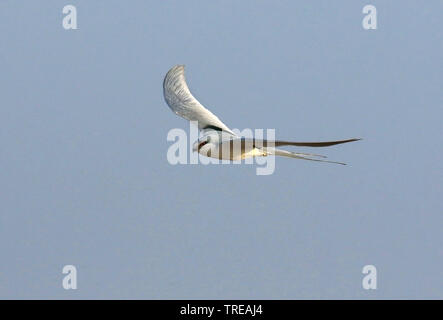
{"type": "Point", "coordinates": [218, 141]}
{"type": "Point", "coordinates": [225, 146]}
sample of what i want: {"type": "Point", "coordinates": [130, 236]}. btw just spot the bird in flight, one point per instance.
{"type": "Point", "coordinates": [217, 140]}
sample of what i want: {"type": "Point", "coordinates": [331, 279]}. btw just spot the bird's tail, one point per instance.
{"type": "Point", "coordinates": [298, 155]}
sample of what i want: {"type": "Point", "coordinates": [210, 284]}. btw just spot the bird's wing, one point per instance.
{"type": "Point", "coordinates": [277, 143]}
{"type": "Point", "coordinates": [182, 102]}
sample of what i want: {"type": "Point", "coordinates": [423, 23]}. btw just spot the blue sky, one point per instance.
{"type": "Point", "coordinates": [85, 179]}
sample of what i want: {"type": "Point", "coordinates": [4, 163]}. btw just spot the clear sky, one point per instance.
{"type": "Point", "coordinates": [85, 181]}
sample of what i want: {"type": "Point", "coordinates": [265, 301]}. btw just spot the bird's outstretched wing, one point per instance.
{"type": "Point", "coordinates": [279, 143]}
{"type": "Point", "coordinates": [182, 102]}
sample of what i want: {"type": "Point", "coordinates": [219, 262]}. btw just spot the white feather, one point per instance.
{"type": "Point", "coordinates": [182, 102]}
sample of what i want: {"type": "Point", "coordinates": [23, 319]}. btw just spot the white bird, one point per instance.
{"type": "Point", "coordinates": [218, 141]}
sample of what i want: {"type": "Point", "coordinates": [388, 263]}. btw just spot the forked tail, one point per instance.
{"type": "Point", "coordinates": [298, 155]}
